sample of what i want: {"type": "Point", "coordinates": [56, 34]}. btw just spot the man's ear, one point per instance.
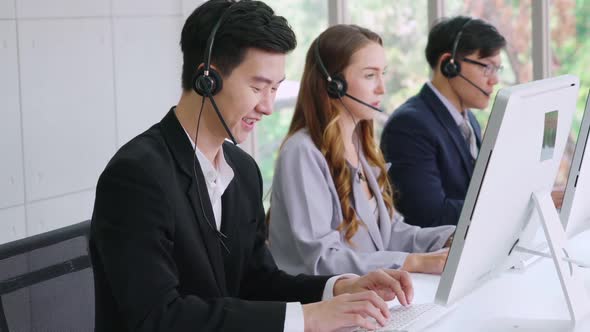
{"type": "Point", "coordinates": [443, 58]}
{"type": "Point", "coordinates": [214, 67]}
{"type": "Point", "coordinates": [202, 65]}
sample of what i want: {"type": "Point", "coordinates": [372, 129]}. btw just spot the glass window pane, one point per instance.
{"type": "Point", "coordinates": [308, 18]}
{"type": "Point", "coordinates": [404, 29]}
{"type": "Point", "coordinates": [570, 47]}
{"type": "Point", "coordinates": [512, 18]}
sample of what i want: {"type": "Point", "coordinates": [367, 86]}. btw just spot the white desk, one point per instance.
{"type": "Point", "coordinates": [514, 301]}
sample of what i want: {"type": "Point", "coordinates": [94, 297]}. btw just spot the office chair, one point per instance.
{"type": "Point", "coordinates": [46, 282]}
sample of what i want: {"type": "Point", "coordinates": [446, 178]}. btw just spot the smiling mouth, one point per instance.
{"type": "Point", "coordinates": [249, 121]}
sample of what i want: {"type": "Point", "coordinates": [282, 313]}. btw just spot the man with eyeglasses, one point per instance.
{"type": "Point", "coordinates": [433, 139]}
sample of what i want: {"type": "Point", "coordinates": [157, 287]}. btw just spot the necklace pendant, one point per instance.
{"type": "Point", "coordinates": [361, 177]}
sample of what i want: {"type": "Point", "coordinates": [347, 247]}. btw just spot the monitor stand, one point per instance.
{"type": "Point", "coordinates": [531, 244]}
{"type": "Point", "coordinates": [569, 275]}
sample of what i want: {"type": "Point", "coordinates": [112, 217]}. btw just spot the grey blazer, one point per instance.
{"type": "Point", "coordinates": [306, 211]}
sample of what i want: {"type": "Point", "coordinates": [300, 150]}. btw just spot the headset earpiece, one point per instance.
{"type": "Point", "coordinates": [207, 85]}
{"type": "Point", "coordinates": [450, 68]}
{"type": "Point", "coordinates": [337, 86]}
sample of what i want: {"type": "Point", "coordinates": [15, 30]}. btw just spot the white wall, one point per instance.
{"type": "Point", "coordinates": [78, 78]}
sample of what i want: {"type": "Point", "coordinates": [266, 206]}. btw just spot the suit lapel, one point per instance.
{"type": "Point", "coordinates": [384, 220]}
{"type": "Point", "coordinates": [183, 153]}
{"type": "Point", "coordinates": [207, 227]}
{"type": "Point", "coordinates": [442, 114]}
{"type": "Point", "coordinates": [363, 210]}
{"type": "Point", "coordinates": [476, 129]}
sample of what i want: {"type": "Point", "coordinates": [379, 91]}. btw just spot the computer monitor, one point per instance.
{"type": "Point", "coordinates": [519, 158]}
{"type": "Point", "coordinates": [575, 210]}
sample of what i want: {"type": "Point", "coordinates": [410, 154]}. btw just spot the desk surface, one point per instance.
{"type": "Point", "coordinates": [526, 300]}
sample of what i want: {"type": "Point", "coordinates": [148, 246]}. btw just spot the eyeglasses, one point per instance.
{"type": "Point", "coordinates": [488, 68]}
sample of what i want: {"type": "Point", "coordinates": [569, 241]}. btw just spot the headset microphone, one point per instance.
{"type": "Point", "coordinates": [475, 85]}
{"type": "Point", "coordinates": [362, 102]}
{"type": "Point", "coordinates": [336, 84]}
{"type": "Point", "coordinates": [231, 137]}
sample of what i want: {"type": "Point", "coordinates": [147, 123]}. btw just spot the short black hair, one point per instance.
{"type": "Point", "coordinates": [478, 35]}
{"type": "Point", "coordinates": [251, 24]}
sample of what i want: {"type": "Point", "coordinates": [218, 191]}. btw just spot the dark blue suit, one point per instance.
{"type": "Point", "coordinates": [430, 161]}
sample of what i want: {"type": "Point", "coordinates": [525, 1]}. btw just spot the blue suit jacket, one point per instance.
{"type": "Point", "coordinates": [430, 161]}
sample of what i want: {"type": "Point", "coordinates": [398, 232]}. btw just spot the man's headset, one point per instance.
{"type": "Point", "coordinates": [336, 85]}
{"type": "Point", "coordinates": [451, 68]}
{"type": "Point", "coordinates": [207, 82]}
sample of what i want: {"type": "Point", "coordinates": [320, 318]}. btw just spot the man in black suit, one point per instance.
{"type": "Point", "coordinates": [178, 233]}
{"type": "Point", "coordinates": [432, 140]}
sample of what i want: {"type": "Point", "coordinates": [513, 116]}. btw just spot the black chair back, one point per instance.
{"type": "Point", "coordinates": [46, 282]}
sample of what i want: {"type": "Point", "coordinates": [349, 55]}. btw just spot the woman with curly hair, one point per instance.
{"type": "Point", "coordinates": [332, 203]}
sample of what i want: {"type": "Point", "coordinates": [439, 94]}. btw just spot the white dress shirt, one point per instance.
{"type": "Point", "coordinates": [218, 178]}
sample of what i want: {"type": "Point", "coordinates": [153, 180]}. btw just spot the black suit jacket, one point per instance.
{"type": "Point", "coordinates": [431, 165]}
{"type": "Point", "coordinates": [158, 265]}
